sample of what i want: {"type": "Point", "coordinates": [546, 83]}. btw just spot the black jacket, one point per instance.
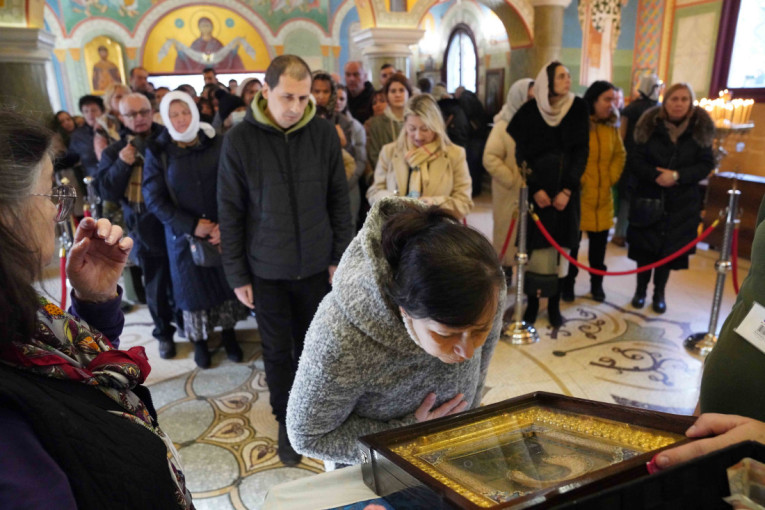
{"type": "Point", "coordinates": [693, 160]}
{"type": "Point", "coordinates": [557, 157]}
{"type": "Point", "coordinates": [81, 146]}
{"type": "Point", "coordinates": [361, 105]}
{"type": "Point", "coordinates": [113, 179]}
{"type": "Point", "coordinates": [282, 200]}
{"type": "Point", "coordinates": [457, 124]}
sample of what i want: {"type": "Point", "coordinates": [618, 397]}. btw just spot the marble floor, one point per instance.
{"type": "Point", "coordinates": [221, 422]}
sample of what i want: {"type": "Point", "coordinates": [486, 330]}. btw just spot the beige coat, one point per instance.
{"type": "Point", "coordinates": [499, 161]}
{"type": "Point", "coordinates": [448, 185]}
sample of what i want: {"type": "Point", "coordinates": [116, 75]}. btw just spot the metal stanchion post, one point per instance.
{"type": "Point", "coordinates": [518, 332]}
{"type": "Point", "coordinates": [703, 343]}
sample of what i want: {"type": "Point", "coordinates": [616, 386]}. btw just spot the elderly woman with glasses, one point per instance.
{"type": "Point", "coordinates": [79, 430]}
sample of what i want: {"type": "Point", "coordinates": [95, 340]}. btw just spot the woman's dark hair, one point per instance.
{"type": "Point", "coordinates": [324, 76]}
{"type": "Point", "coordinates": [23, 144]}
{"type": "Point", "coordinates": [91, 99]}
{"type": "Point", "coordinates": [398, 78]}
{"type": "Point", "coordinates": [594, 91]}
{"type": "Point", "coordinates": [551, 77]}
{"type": "Point", "coordinates": [442, 270]}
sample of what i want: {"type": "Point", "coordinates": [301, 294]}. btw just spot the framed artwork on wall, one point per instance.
{"type": "Point", "coordinates": [104, 61]}
{"type": "Point", "coordinates": [495, 87]}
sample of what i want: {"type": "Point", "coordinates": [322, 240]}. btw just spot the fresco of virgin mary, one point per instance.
{"type": "Point", "coordinates": [208, 51]}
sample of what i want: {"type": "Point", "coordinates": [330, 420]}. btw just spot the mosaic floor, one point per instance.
{"type": "Point", "coordinates": [221, 421]}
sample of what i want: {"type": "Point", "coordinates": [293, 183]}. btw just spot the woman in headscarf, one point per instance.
{"type": "Point", "coordinates": [423, 163]}
{"type": "Point", "coordinates": [551, 134]}
{"type": "Point", "coordinates": [673, 152]}
{"type": "Point", "coordinates": [499, 161]}
{"type": "Point", "coordinates": [180, 188]}
{"type": "Point", "coordinates": [604, 167]}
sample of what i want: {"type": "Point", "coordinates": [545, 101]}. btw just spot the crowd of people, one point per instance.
{"type": "Point", "coordinates": [335, 213]}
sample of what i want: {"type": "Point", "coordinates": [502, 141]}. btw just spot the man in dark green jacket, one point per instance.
{"type": "Point", "coordinates": [284, 220]}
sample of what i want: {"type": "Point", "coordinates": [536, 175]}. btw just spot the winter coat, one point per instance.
{"type": "Point", "coordinates": [458, 126]}
{"type": "Point", "coordinates": [693, 160]}
{"type": "Point", "coordinates": [360, 371]}
{"type": "Point", "coordinates": [448, 184]}
{"type": "Point", "coordinates": [360, 106]}
{"type": "Point", "coordinates": [604, 167]}
{"type": "Point", "coordinates": [631, 115]}
{"type": "Point", "coordinates": [556, 157]}
{"type": "Point", "coordinates": [382, 131]}
{"type": "Point", "coordinates": [113, 179]}
{"type": "Point", "coordinates": [81, 146]}
{"type": "Point", "coordinates": [282, 198]}
{"type": "Point", "coordinates": [506, 181]}
{"type": "Point", "coordinates": [734, 369]}
{"type": "Point", "coordinates": [192, 174]}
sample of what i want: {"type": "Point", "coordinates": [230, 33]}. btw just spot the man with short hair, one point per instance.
{"type": "Point", "coordinates": [386, 71]}
{"type": "Point", "coordinates": [139, 80]}
{"type": "Point", "coordinates": [360, 91]}
{"type": "Point", "coordinates": [81, 142]}
{"type": "Point", "coordinates": [120, 178]}
{"type": "Point", "coordinates": [208, 73]}
{"type": "Point", "coordinates": [284, 220]}
{"type": "Point", "coordinates": [232, 86]}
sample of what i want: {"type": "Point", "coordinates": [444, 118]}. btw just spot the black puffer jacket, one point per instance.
{"type": "Point", "coordinates": [693, 160]}
{"type": "Point", "coordinates": [283, 200]}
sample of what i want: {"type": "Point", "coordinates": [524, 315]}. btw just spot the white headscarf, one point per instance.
{"type": "Point", "coordinates": [243, 85]}
{"type": "Point", "coordinates": [552, 115]}
{"type": "Point", "coordinates": [649, 86]}
{"type": "Point", "coordinates": [194, 126]}
{"type": "Point", "coordinates": [516, 96]}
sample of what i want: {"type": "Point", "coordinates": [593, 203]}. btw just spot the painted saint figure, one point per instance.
{"type": "Point", "coordinates": [208, 45]}
{"type": "Point", "coordinates": [104, 72]}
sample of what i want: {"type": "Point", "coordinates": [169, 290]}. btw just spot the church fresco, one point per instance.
{"type": "Point", "coordinates": [277, 12]}
{"type": "Point", "coordinates": [125, 12]}
{"type": "Point", "coordinates": [103, 60]}
{"type": "Point", "coordinates": [189, 39]}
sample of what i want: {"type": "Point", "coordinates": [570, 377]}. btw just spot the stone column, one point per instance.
{"type": "Point", "coordinates": [548, 32]}
{"type": "Point", "coordinates": [381, 45]}
{"type": "Point", "coordinates": [24, 53]}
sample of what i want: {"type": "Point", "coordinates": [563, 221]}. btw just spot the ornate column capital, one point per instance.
{"type": "Point", "coordinates": [26, 45]}
{"type": "Point", "coordinates": [387, 41]}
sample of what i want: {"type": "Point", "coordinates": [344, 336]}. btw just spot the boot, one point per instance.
{"type": "Point", "coordinates": [233, 351]}
{"type": "Point", "coordinates": [532, 307]}
{"type": "Point", "coordinates": [596, 288]}
{"type": "Point", "coordinates": [166, 348]}
{"type": "Point", "coordinates": [201, 354]}
{"type": "Point", "coordinates": [638, 300]}
{"type": "Point", "coordinates": [659, 305]}
{"type": "Point", "coordinates": [553, 311]}
{"type": "Point", "coordinates": [287, 454]}
{"type": "Point", "coordinates": [660, 278]}
{"type": "Point", "coordinates": [567, 289]}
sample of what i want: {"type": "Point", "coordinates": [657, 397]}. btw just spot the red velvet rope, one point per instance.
{"type": "Point", "coordinates": [600, 272]}
{"type": "Point", "coordinates": [734, 260]}
{"type": "Point", "coordinates": [507, 239]}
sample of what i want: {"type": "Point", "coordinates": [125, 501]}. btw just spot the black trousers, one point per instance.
{"type": "Point", "coordinates": [284, 310]}
{"type": "Point", "coordinates": [159, 294]}
{"type": "Point", "coordinates": [596, 254]}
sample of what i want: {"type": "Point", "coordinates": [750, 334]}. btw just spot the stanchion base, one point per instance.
{"type": "Point", "coordinates": [520, 333]}
{"type": "Point", "coordinates": [700, 343]}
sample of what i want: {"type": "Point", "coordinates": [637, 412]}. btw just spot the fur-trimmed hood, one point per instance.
{"type": "Point", "coordinates": [701, 125]}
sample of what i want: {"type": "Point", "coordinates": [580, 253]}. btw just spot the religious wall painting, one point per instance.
{"type": "Point", "coordinates": [104, 62]}
{"type": "Point", "coordinates": [189, 39]}
{"type": "Point", "coordinates": [124, 12]}
{"type": "Point", "coordinates": [601, 25]}
{"type": "Point", "coordinates": [495, 89]}
{"type": "Point", "coordinates": [277, 12]}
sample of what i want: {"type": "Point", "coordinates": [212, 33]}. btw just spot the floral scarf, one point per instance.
{"type": "Point", "coordinates": [65, 347]}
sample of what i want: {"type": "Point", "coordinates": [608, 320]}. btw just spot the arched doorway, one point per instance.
{"type": "Point", "coordinates": [461, 59]}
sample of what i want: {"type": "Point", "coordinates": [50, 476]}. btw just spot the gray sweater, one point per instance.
{"type": "Point", "coordinates": [360, 371]}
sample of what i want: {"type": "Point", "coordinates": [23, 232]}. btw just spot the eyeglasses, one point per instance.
{"type": "Point", "coordinates": [63, 198]}
{"type": "Point", "coordinates": [143, 113]}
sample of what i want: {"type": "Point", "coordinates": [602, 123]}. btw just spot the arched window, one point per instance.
{"type": "Point", "coordinates": [461, 59]}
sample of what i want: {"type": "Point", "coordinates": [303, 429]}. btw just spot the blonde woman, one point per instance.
{"type": "Point", "coordinates": [423, 163]}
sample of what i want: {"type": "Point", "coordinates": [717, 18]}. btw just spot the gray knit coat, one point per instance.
{"type": "Point", "coordinates": [360, 371]}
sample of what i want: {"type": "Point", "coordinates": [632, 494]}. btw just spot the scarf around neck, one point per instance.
{"type": "Point", "coordinates": [418, 159]}
{"type": "Point", "coordinates": [552, 114]}
{"type": "Point", "coordinates": [66, 348]}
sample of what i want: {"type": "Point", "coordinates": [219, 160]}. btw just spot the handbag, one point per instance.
{"type": "Point", "coordinates": [540, 285]}
{"type": "Point", "coordinates": [203, 253]}
{"type": "Point", "coordinates": [645, 212]}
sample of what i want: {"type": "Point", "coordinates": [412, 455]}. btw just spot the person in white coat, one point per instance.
{"type": "Point", "coordinates": [423, 163]}
{"type": "Point", "coordinates": [506, 180]}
